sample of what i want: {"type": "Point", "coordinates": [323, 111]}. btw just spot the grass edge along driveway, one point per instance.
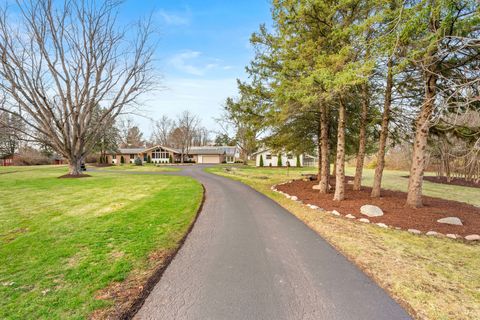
{"type": "Point", "coordinates": [68, 245]}
{"type": "Point", "coordinates": [434, 278]}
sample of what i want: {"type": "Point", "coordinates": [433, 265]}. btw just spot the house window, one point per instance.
{"type": "Point", "coordinates": [268, 157]}
{"type": "Point", "coordinates": [132, 156]}
{"type": "Point", "coordinates": [289, 156]}
{"type": "Point", "coordinates": [158, 154]}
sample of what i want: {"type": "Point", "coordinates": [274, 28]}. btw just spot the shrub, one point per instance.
{"type": "Point", "coordinates": [261, 160]}
{"type": "Point", "coordinates": [138, 161]}
{"type": "Point", "coordinates": [149, 159]}
{"type": "Point", "coordinates": [122, 160]}
{"type": "Point", "coordinates": [279, 160]}
{"type": "Point", "coordinates": [298, 160]}
{"type": "Point", "coordinates": [170, 159]}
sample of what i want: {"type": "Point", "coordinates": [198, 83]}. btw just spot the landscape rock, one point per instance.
{"type": "Point", "coordinates": [316, 187]}
{"type": "Point", "coordinates": [294, 198]}
{"type": "Point", "coordinates": [314, 207]}
{"type": "Point", "coordinates": [371, 211]}
{"type": "Point", "coordinates": [451, 236]}
{"type": "Point", "coordinates": [382, 225]}
{"type": "Point", "coordinates": [336, 213]}
{"type": "Point", "coordinates": [414, 231]}
{"type": "Point", "coordinates": [473, 237]}
{"type": "Point", "coordinates": [432, 233]}
{"type": "Point", "coordinates": [350, 216]}
{"type": "Point", "coordinates": [451, 220]}
{"type": "Point", "coordinates": [364, 220]}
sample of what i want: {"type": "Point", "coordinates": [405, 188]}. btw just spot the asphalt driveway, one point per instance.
{"type": "Point", "coordinates": [248, 258]}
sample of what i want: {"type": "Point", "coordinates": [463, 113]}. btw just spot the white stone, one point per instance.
{"type": "Point", "coordinates": [364, 220]}
{"type": "Point", "coordinates": [350, 216]}
{"type": "Point", "coordinates": [314, 207]}
{"type": "Point", "coordinates": [451, 220]}
{"type": "Point", "coordinates": [371, 211]}
{"type": "Point", "coordinates": [336, 213]}
{"type": "Point", "coordinates": [316, 187]}
{"type": "Point", "coordinates": [432, 233]}
{"type": "Point", "coordinates": [473, 237]}
{"type": "Point", "coordinates": [451, 236]}
{"type": "Point", "coordinates": [414, 231]}
{"type": "Point", "coordinates": [382, 225]}
{"type": "Point", "coordinates": [294, 198]}
{"type": "Point", "coordinates": [398, 228]}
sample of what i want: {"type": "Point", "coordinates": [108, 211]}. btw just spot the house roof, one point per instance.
{"type": "Point", "coordinates": [206, 150]}
{"type": "Point", "coordinates": [130, 150]}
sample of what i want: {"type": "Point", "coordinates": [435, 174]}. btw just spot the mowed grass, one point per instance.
{"type": "Point", "coordinates": [64, 240]}
{"type": "Point", "coordinates": [132, 167]}
{"type": "Point", "coordinates": [434, 278]}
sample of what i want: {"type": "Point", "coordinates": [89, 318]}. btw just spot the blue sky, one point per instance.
{"type": "Point", "coordinates": [203, 47]}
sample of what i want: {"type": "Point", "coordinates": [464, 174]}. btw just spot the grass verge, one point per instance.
{"type": "Point", "coordinates": [72, 247]}
{"type": "Point", "coordinates": [144, 168]}
{"type": "Point", "coordinates": [434, 278]}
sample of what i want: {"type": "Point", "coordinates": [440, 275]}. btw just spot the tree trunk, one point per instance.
{"type": "Point", "coordinates": [377, 178]}
{"type": "Point", "coordinates": [75, 166]}
{"type": "Point", "coordinates": [362, 139]}
{"type": "Point", "coordinates": [325, 165]}
{"type": "Point", "coordinates": [414, 197]}
{"type": "Point", "coordinates": [340, 160]}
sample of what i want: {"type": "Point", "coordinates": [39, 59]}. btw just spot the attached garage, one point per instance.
{"type": "Point", "coordinates": [202, 158]}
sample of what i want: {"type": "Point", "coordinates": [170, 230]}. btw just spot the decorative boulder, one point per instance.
{"type": "Point", "coordinates": [473, 237]}
{"type": "Point", "coordinates": [335, 213]}
{"type": "Point", "coordinates": [451, 220]}
{"type": "Point", "coordinates": [414, 231]}
{"type": "Point", "coordinates": [364, 220]}
{"type": "Point", "coordinates": [350, 216]}
{"type": "Point", "coordinates": [294, 198]}
{"type": "Point", "coordinates": [371, 211]}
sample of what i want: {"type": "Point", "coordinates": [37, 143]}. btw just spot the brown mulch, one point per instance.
{"type": "Point", "coordinates": [393, 205]}
{"type": "Point", "coordinates": [71, 176]}
{"type": "Point", "coordinates": [453, 181]}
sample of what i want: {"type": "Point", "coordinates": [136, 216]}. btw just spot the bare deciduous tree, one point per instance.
{"type": "Point", "coordinates": [61, 60]}
{"type": "Point", "coordinates": [185, 129]}
{"type": "Point", "coordinates": [162, 130]}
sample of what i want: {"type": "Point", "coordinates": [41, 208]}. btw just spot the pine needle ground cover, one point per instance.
{"type": "Point", "coordinates": [65, 242]}
{"type": "Point", "coordinates": [433, 278]}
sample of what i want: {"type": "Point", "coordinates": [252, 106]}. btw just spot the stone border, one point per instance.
{"type": "Point", "coordinates": [469, 238]}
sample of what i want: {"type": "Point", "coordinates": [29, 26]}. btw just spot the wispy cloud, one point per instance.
{"type": "Point", "coordinates": [174, 19]}
{"type": "Point", "coordinates": [187, 61]}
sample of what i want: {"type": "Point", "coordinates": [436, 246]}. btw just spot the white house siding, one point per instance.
{"type": "Point", "coordinates": [273, 161]}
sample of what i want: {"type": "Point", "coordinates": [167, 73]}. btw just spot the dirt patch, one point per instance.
{"type": "Point", "coordinates": [453, 181]}
{"type": "Point", "coordinates": [71, 176]}
{"type": "Point", "coordinates": [393, 205]}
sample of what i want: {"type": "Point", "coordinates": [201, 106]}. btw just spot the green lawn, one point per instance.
{"type": "Point", "coordinates": [132, 167]}
{"type": "Point", "coordinates": [434, 278]}
{"type": "Point", "coordinates": [64, 240]}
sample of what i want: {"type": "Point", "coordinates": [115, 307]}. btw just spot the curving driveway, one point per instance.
{"type": "Point", "coordinates": [248, 258]}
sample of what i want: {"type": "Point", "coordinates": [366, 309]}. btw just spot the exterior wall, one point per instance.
{"type": "Point", "coordinates": [273, 161]}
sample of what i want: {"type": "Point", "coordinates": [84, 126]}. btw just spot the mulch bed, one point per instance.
{"type": "Point", "coordinates": [453, 181]}
{"type": "Point", "coordinates": [393, 205]}
{"type": "Point", "coordinates": [71, 176]}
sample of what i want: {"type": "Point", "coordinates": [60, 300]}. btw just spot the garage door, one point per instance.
{"type": "Point", "coordinates": [209, 159]}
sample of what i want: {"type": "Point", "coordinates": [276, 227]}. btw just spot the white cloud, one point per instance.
{"type": "Point", "coordinates": [184, 62]}
{"type": "Point", "coordinates": [173, 19]}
